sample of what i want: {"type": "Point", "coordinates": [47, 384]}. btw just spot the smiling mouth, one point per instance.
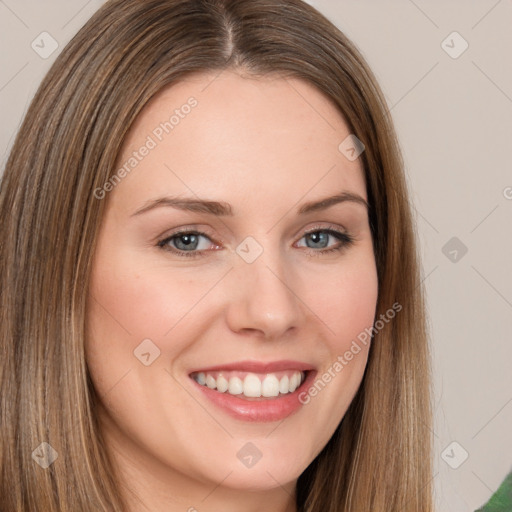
{"type": "Point", "coordinates": [252, 385]}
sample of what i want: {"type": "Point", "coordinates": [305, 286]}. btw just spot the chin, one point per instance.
{"type": "Point", "coordinates": [260, 480]}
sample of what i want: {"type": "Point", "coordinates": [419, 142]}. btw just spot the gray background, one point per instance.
{"type": "Point", "coordinates": [453, 115]}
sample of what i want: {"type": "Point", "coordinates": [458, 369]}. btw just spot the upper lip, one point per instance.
{"type": "Point", "coordinates": [258, 366]}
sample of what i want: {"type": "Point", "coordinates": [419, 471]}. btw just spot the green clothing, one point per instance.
{"type": "Point", "coordinates": [501, 500]}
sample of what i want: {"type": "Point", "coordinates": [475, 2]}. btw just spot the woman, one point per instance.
{"type": "Point", "coordinates": [210, 292]}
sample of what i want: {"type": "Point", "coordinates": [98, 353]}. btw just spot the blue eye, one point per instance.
{"type": "Point", "coordinates": [186, 243]}
{"type": "Point", "coordinates": [320, 238]}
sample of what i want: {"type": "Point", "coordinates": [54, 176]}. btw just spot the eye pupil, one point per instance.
{"type": "Point", "coordinates": [188, 238]}
{"type": "Point", "coordinates": [319, 237]}
{"type": "Point", "coordinates": [188, 241]}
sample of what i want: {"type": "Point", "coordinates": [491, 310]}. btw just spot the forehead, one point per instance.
{"type": "Point", "coordinates": [225, 136]}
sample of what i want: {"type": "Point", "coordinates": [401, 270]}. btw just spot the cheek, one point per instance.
{"type": "Point", "coordinates": [128, 305]}
{"type": "Point", "coordinates": [345, 300]}
{"type": "Point", "coordinates": [134, 302]}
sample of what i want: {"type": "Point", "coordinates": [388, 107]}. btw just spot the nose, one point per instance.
{"type": "Point", "coordinates": [262, 299]}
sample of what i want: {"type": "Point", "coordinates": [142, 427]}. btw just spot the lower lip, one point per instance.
{"type": "Point", "coordinates": [270, 409]}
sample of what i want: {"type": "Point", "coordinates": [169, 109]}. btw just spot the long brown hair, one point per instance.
{"type": "Point", "coordinates": [379, 458]}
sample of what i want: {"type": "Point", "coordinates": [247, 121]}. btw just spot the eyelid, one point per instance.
{"type": "Point", "coordinates": [321, 227]}
{"type": "Point", "coordinates": [189, 228]}
{"type": "Point", "coordinates": [202, 230]}
{"type": "Point", "coordinates": [345, 240]}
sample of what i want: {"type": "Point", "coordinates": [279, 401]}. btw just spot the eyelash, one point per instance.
{"type": "Point", "coordinates": [345, 239]}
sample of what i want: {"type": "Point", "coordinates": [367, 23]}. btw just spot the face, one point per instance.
{"type": "Point", "coordinates": [220, 276]}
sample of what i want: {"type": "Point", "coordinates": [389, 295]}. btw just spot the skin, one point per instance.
{"type": "Point", "coordinates": [266, 146]}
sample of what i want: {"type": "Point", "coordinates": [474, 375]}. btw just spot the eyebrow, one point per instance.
{"type": "Point", "coordinates": [220, 208]}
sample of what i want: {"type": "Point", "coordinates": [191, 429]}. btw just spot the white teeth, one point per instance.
{"type": "Point", "coordinates": [222, 384]}
{"type": "Point", "coordinates": [253, 385]}
{"type": "Point", "coordinates": [211, 382]}
{"type": "Point", "coordinates": [270, 386]}
{"type": "Point", "coordinates": [236, 386]}
{"type": "Point", "coordinates": [293, 382]}
{"type": "Point", "coordinates": [284, 385]}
